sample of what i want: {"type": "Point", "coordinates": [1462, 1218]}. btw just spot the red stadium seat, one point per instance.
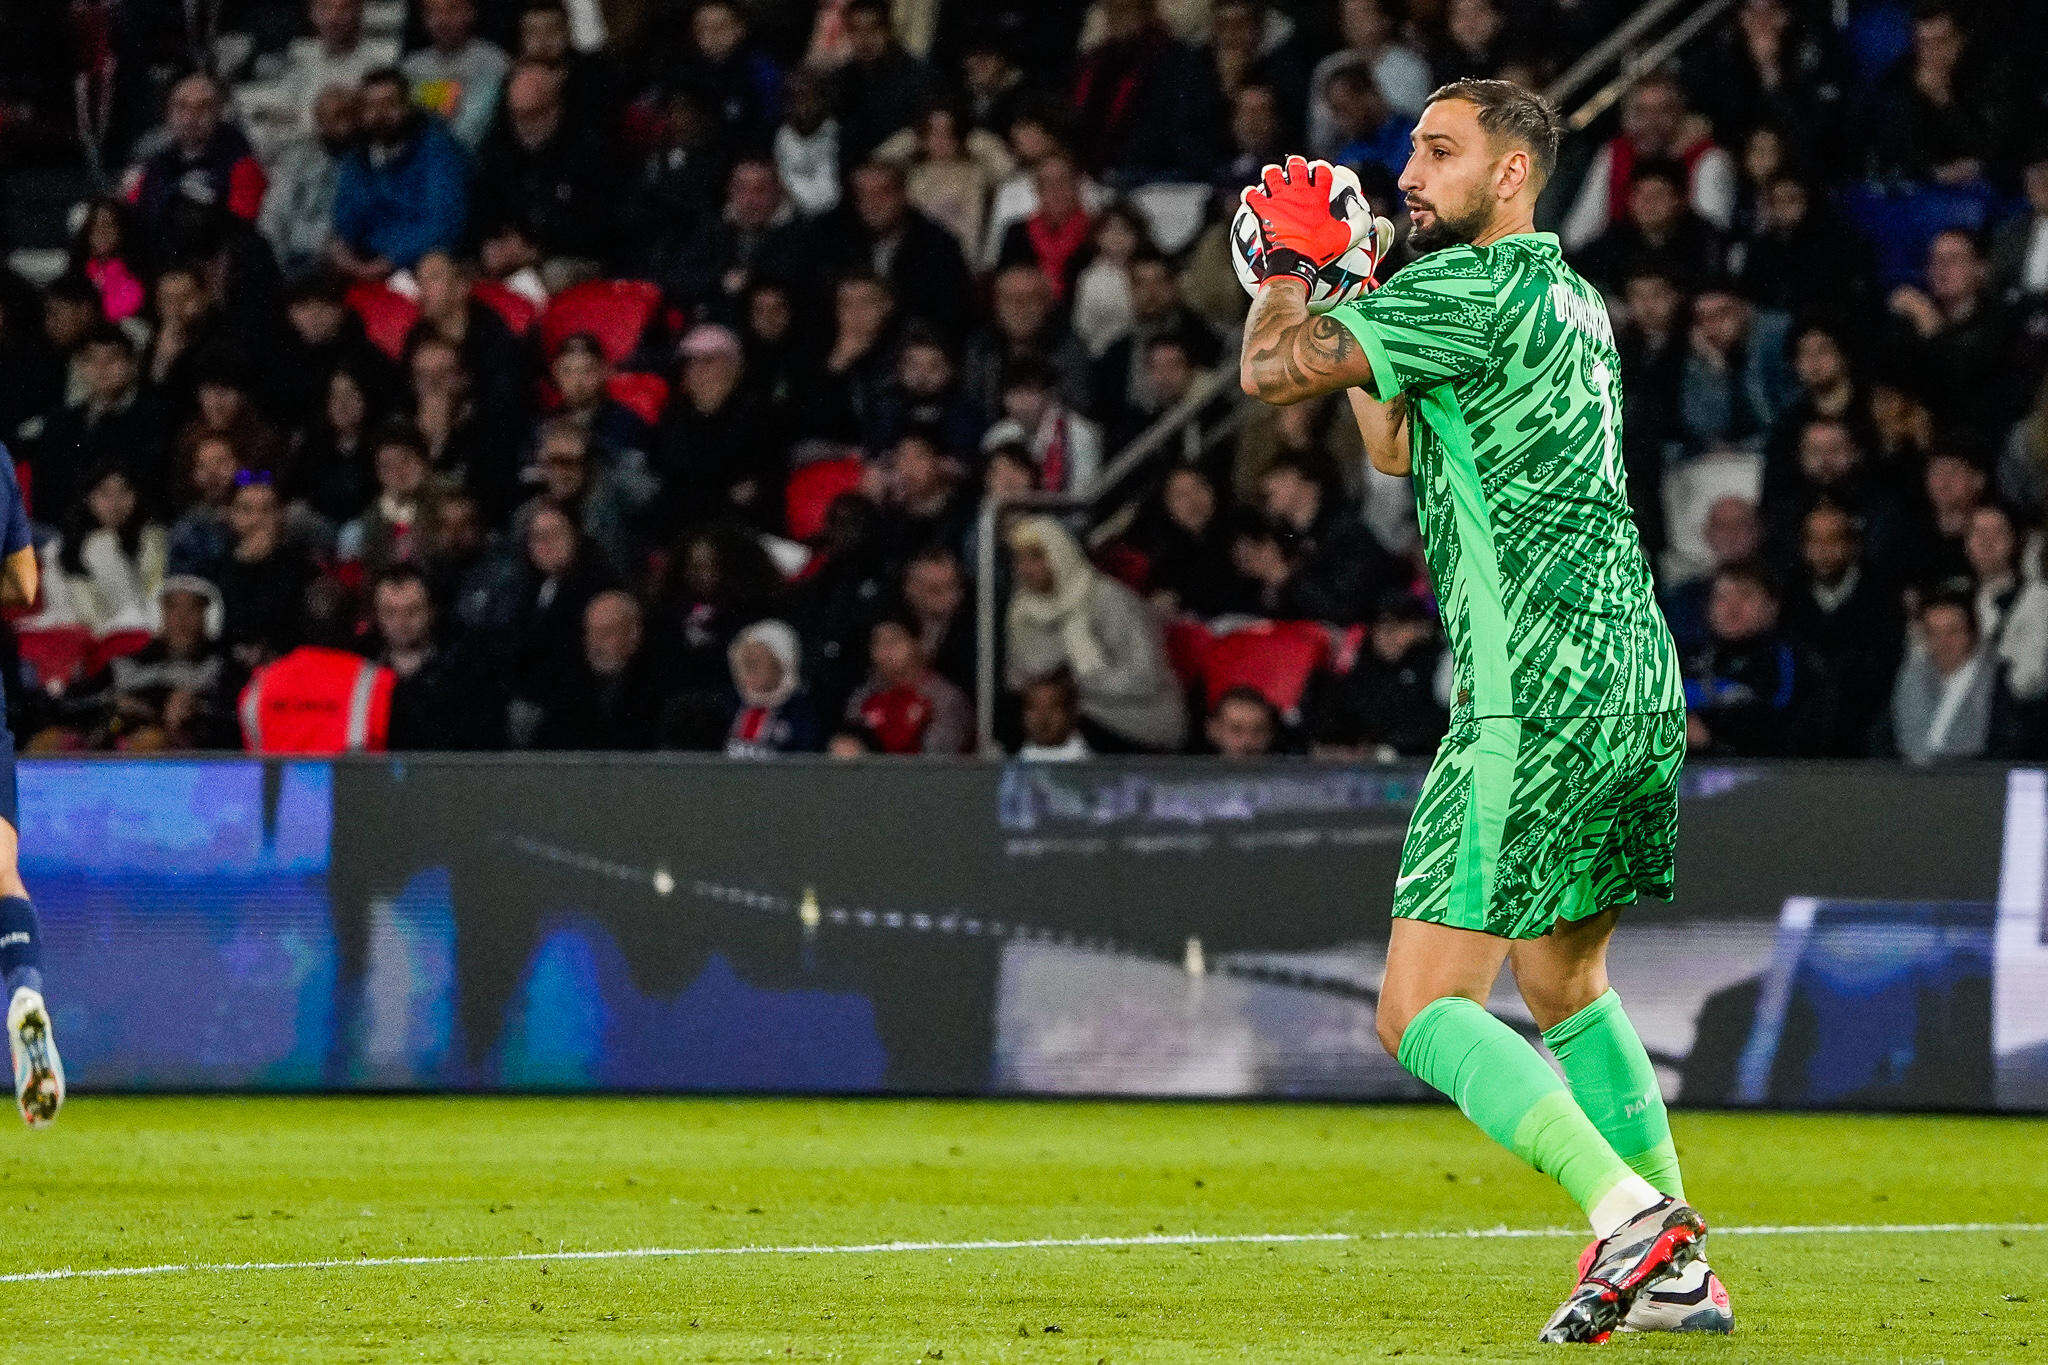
{"type": "Point", "coordinates": [58, 654]}
{"type": "Point", "coordinates": [1127, 564]}
{"type": "Point", "coordinates": [1187, 648]}
{"type": "Point", "coordinates": [645, 394]}
{"type": "Point", "coordinates": [812, 489]}
{"type": "Point", "coordinates": [517, 311]}
{"type": "Point", "coordinates": [118, 644]}
{"type": "Point", "coordinates": [1276, 657]}
{"type": "Point", "coordinates": [616, 312]}
{"type": "Point", "coordinates": [388, 316]}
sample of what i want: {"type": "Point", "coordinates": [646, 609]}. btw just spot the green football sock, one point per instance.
{"type": "Point", "coordinates": [1506, 1087]}
{"type": "Point", "coordinates": [1611, 1077]}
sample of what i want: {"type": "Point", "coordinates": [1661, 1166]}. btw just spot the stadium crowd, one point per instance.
{"type": "Point", "coordinates": [627, 374]}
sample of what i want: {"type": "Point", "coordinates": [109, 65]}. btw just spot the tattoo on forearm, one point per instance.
{"type": "Point", "coordinates": [1289, 355]}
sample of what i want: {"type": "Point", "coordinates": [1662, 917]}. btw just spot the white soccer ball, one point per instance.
{"type": "Point", "coordinates": [1343, 279]}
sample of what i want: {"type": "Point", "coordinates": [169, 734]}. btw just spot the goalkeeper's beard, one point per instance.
{"type": "Point", "coordinates": [1449, 229]}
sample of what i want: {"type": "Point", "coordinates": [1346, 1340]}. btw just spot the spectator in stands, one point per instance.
{"type": "Point", "coordinates": [188, 325]}
{"type": "Point", "coordinates": [390, 530]}
{"type": "Point", "coordinates": [1841, 615]}
{"type": "Point", "coordinates": [1052, 721]}
{"type": "Point", "coordinates": [771, 713]}
{"type": "Point", "coordinates": [458, 77]}
{"type": "Point", "coordinates": [582, 376]}
{"type": "Point", "coordinates": [404, 192]}
{"type": "Point", "coordinates": [336, 57]}
{"type": "Point", "coordinates": [201, 536]}
{"type": "Point", "coordinates": [1065, 614]}
{"type": "Point", "coordinates": [2023, 467]}
{"type": "Point", "coordinates": [882, 88]}
{"type": "Point", "coordinates": [1389, 699]}
{"type": "Point", "coordinates": [1733, 534]}
{"type": "Point", "coordinates": [2011, 609]}
{"type": "Point", "coordinates": [322, 335]}
{"type": "Point", "coordinates": [203, 159]}
{"type": "Point", "coordinates": [176, 692]}
{"type": "Point", "coordinates": [1827, 388]}
{"type": "Point", "coordinates": [468, 440]}
{"type": "Point", "coordinates": [1065, 447]}
{"type": "Point", "coordinates": [1101, 310]}
{"type": "Point", "coordinates": [935, 600]}
{"type": "Point", "coordinates": [1770, 67]}
{"type": "Point", "coordinates": [956, 170]}
{"type": "Point", "coordinates": [1187, 550]}
{"type": "Point", "coordinates": [718, 454]}
{"type": "Point", "coordinates": [494, 360]}
{"type": "Point", "coordinates": [921, 495]}
{"type": "Point", "coordinates": [1371, 38]}
{"type": "Point", "coordinates": [552, 176]}
{"type": "Point", "coordinates": [443, 698]}
{"type": "Point", "coordinates": [106, 251]}
{"type": "Point", "coordinates": [1833, 467]}
{"type": "Point", "coordinates": [1243, 724]}
{"type": "Point", "coordinates": [1929, 118]}
{"type": "Point", "coordinates": [1951, 487]}
{"type": "Point", "coordinates": [2019, 248]}
{"type": "Point", "coordinates": [1054, 237]}
{"type": "Point", "coordinates": [1316, 560]}
{"type": "Point", "coordinates": [1251, 43]}
{"type": "Point", "coordinates": [111, 559]}
{"type": "Point", "coordinates": [806, 146]}
{"type": "Point", "coordinates": [333, 458]}
{"type": "Point", "coordinates": [1799, 258]}
{"type": "Point", "coordinates": [1258, 138]}
{"type": "Point", "coordinates": [116, 422]}
{"type": "Point", "coordinates": [879, 232]}
{"type": "Point", "coordinates": [738, 82]}
{"type": "Point", "coordinates": [673, 202]}
{"type": "Point", "coordinates": [32, 366]}
{"type": "Point", "coordinates": [1365, 129]}
{"type": "Point", "coordinates": [1736, 379]}
{"type": "Point", "coordinates": [264, 578]}
{"type": "Point", "coordinates": [224, 405]}
{"type": "Point", "coordinates": [756, 236]}
{"type": "Point", "coordinates": [607, 497]}
{"type": "Point", "coordinates": [1651, 336]}
{"type": "Point", "coordinates": [298, 209]}
{"type": "Point", "coordinates": [717, 581]}
{"type": "Point", "coordinates": [1948, 703]}
{"type": "Point", "coordinates": [925, 392]}
{"type": "Point", "coordinates": [615, 700]}
{"type": "Point", "coordinates": [1955, 335]}
{"type": "Point", "coordinates": [1654, 123]}
{"type": "Point", "coordinates": [1658, 232]}
{"type": "Point", "coordinates": [1037, 130]}
{"type": "Point", "coordinates": [1749, 691]}
{"type": "Point", "coordinates": [540, 625]}
{"type": "Point", "coordinates": [1148, 106]}
{"type": "Point", "coordinates": [841, 595]}
{"type": "Point", "coordinates": [1471, 42]}
{"type": "Point", "coordinates": [1023, 321]}
{"type": "Point", "coordinates": [906, 705]}
{"type": "Point", "coordinates": [475, 581]}
{"type": "Point", "coordinates": [1121, 391]}
{"type": "Point", "coordinates": [590, 89]}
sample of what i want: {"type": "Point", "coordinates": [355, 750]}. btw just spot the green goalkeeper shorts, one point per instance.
{"type": "Point", "coordinates": [1525, 822]}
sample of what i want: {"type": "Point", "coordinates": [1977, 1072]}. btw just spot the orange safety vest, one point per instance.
{"type": "Point", "coordinates": [317, 701]}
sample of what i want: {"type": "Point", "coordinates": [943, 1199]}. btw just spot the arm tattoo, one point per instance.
{"type": "Point", "coordinates": [1290, 355]}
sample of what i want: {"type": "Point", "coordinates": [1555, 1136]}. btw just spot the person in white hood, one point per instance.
{"type": "Point", "coordinates": [1065, 614]}
{"type": "Point", "coordinates": [771, 712]}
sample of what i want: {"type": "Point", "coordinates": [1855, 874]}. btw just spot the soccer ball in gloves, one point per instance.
{"type": "Point", "coordinates": [1344, 278]}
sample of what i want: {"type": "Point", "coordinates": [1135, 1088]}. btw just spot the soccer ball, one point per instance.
{"type": "Point", "coordinates": [1343, 279]}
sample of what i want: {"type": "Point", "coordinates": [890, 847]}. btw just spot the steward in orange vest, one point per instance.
{"type": "Point", "coordinates": [317, 701]}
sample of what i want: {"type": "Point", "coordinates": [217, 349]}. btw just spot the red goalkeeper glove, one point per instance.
{"type": "Point", "coordinates": [1301, 232]}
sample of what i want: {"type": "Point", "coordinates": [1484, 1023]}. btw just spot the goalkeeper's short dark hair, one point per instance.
{"type": "Point", "coordinates": [1514, 112]}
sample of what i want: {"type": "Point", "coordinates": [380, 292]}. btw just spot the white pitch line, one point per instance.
{"type": "Point", "coordinates": [1174, 1239]}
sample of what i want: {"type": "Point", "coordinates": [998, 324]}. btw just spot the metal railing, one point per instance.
{"type": "Point", "coordinates": [1133, 459]}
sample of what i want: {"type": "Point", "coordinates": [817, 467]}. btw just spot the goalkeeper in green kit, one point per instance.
{"type": "Point", "coordinates": [1487, 370]}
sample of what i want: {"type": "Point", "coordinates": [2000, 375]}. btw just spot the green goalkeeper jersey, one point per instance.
{"type": "Point", "coordinates": [1514, 383]}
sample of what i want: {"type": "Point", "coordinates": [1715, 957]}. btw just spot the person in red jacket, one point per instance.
{"type": "Point", "coordinates": [908, 707]}
{"type": "Point", "coordinates": [317, 701]}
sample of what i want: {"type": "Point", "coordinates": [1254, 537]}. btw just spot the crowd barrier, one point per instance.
{"type": "Point", "coordinates": [1846, 936]}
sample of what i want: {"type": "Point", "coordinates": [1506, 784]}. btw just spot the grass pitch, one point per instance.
{"type": "Point", "coordinates": [205, 1182]}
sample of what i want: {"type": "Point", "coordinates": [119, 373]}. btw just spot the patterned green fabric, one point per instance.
{"type": "Point", "coordinates": [1509, 360]}
{"type": "Point", "coordinates": [1527, 822]}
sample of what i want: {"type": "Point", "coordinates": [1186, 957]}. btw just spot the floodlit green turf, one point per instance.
{"type": "Point", "coordinates": [148, 1182]}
